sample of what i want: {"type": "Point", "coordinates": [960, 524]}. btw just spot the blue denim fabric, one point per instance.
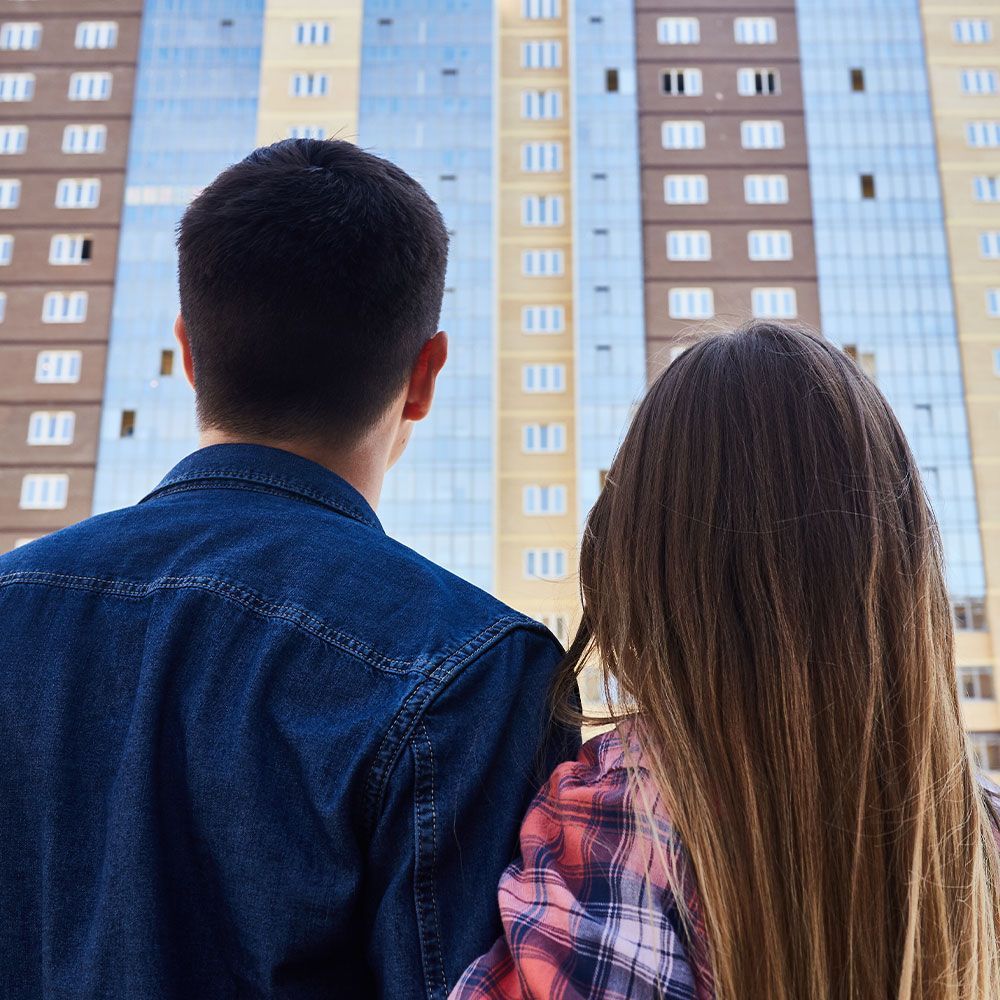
{"type": "Point", "coordinates": [252, 747]}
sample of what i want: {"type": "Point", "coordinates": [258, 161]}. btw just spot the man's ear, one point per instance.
{"type": "Point", "coordinates": [420, 393]}
{"type": "Point", "coordinates": [180, 332]}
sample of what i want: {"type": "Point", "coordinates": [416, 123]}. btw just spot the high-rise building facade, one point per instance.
{"type": "Point", "coordinates": [617, 177]}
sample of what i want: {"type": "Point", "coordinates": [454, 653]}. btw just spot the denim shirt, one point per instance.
{"type": "Point", "coordinates": [253, 747]}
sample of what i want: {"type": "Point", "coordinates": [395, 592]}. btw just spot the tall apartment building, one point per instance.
{"type": "Point", "coordinates": [617, 177]}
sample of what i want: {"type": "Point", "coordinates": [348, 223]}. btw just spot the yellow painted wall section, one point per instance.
{"type": "Point", "coordinates": [973, 276]}
{"type": "Point", "coordinates": [333, 52]}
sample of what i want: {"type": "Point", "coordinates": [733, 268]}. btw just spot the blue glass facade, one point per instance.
{"type": "Point", "coordinates": [609, 308]}
{"type": "Point", "coordinates": [427, 104]}
{"type": "Point", "coordinates": [884, 271]}
{"type": "Point", "coordinates": [195, 112]}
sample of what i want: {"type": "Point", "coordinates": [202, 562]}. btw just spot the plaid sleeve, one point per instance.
{"type": "Point", "coordinates": [586, 912]}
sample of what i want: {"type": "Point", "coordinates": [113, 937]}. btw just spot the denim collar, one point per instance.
{"type": "Point", "coordinates": [269, 470]}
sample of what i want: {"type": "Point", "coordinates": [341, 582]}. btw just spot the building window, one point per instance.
{"type": "Point", "coordinates": [541, 157]}
{"type": "Point", "coordinates": [543, 319]}
{"type": "Point", "coordinates": [310, 84]}
{"type": "Point", "coordinates": [542, 210]}
{"type": "Point", "coordinates": [20, 35]}
{"type": "Point", "coordinates": [681, 82]}
{"type": "Point", "coordinates": [540, 105]}
{"type": "Point", "coordinates": [685, 189]}
{"type": "Point", "coordinates": [540, 10]}
{"type": "Point", "coordinates": [6, 249]}
{"type": "Point", "coordinates": [10, 193]}
{"type": "Point", "coordinates": [68, 248]}
{"type": "Point", "coordinates": [558, 625]}
{"type": "Point", "coordinates": [752, 82]}
{"type": "Point", "coordinates": [306, 132]}
{"type": "Point", "coordinates": [126, 427]}
{"type": "Point", "coordinates": [64, 307]}
{"type": "Point", "coordinates": [969, 614]}
{"type": "Point", "coordinates": [689, 244]}
{"type": "Point", "coordinates": [986, 749]}
{"type": "Point", "coordinates": [678, 31]}
{"type": "Point", "coordinates": [993, 302]}
{"type": "Point", "coordinates": [85, 139]}
{"type": "Point", "coordinates": [545, 564]}
{"type": "Point", "coordinates": [538, 439]}
{"type": "Point", "coordinates": [544, 500]}
{"type": "Point", "coordinates": [3, 306]}
{"type": "Point", "coordinates": [762, 135]}
{"type": "Point", "coordinates": [755, 30]}
{"type": "Point", "coordinates": [765, 189]}
{"type": "Point", "coordinates": [166, 363]}
{"type": "Point", "coordinates": [691, 303]}
{"type": "Point", "coordinates": [774, 303]}
{"type": "Point", "coordinates": [541, 55]}
{"type": "Point", "coordinates": [683, 135]}
{"type": "Point", "coordinates": [996, 362]}
{"type": "Point", "coordinates": [89, 86]}
{"type": "Point", "coordinates": [542, 263]}
{"type": "Point", "coordinates": [858, 80]}
{"type": "Point", "coordinates": [97, 35]}
{"type": "Point", "coordinates": [543, 378]}
{"type": "Point", "coordinates": [17, 86]}
{"type": "Point", "coordinates": [78, 192]}
{"type": "Point", "coordinates": [313, 33]}
{"type": "Point", "coordinates": [58, 367]}
{"type": "Point", "coordinates": [979, 81]}
{"type": "Point", "coordinates": [976, 683]}
{"type": "Point", "coordinates": [611, 81]}
{"type": "Point", "coordinates": [868, 186]}
{"type": "Point", "coordinates": [983, 135]}
{"type": "Point", "coordinates": [972, 31]}
{"type": "Point", "coordinates": [51, 427]}
{"type": "Point", "coordinates": [986, 188]}
{"type": "Point", "coordinates": [865, 360]}
{"type": "Point", "coordinates": [44, 492]}
{"type": "Point", "coordinates": [13, 139]}
{"type": "Point", "coordinates": [989, 245]}
{"type": "Point", "coordinates": [769, 244]}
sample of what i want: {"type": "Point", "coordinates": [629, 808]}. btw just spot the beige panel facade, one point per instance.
{"type": "Point", "coordinates": [963, 54]}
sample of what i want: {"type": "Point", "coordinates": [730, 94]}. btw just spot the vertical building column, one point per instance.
{"type": "Point", "coordinates": [66, 83]}
{"type": "Point", "coordinates": [536, 532]}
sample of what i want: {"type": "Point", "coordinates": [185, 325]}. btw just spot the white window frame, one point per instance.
{"type": "Point", "coordinates": [691, 303]}
{"type": "Point", "coordinates": [982, 742]}
{"type": "Point", "coordinates": [746, 81]}
{"type": "Point", "coordinates": [769, 244]}
{"type": "Point", "coordinates": [766, 302]}
{"type": "Point", "coordinates": [972, 31]}
{"type": "Point", "coordinates": [312, 33]}
{"type": "Point", "coordinates": [51, 428]}
{"type": "Point", "coordinates": [6, 249]}
{"type": "Point", "coordinates": [544, 501]}
{"type": "Point", "coordinates": [682, 134]}
{"type": "Point", "coordinates": [685, 189]}
{"type": "Point", "coordinates": [755, 31]}
{"type": "Point", "coordinates": [13, 140]}
{"type": "Point", "coordinates": [545, 564]}
{"type": "Point", "coordinates": [10, 193]}
{"type": "Point", "coordinates": [543, 439]}
{"type": "Point", "coordinates": [307, 132]}
{"type": "Point", "coordinates": [540, 10]}
{"type": "Point", "coordinates": [16, 87]}
{"type": "Point", "coordinates": [541, 105]}
{"type": "Point", "coordinates": [64, 307]}
{"type": "Point", "coordinates": [982, 134]}
{"type": "Point", "coordinates": [44, 491]}
{"type": "Point", "coordinates": [770, 133]}
{"type": "Point", "coordinates": [543, 263]}
{"type": "Point", "coordinates": [979, 82]}
{"type": "Point", "coordinates": [989, 244]}
{"type": "Point", "coordinates": [543, 54]}
{"type": "Point", "coordinates": [765, 189]}
{"type": "Point", "coordinates": [685, 81]}
{"type": "Point", "coordinates": [539, 379]}
{"type": "Point", "coordinates": [689, 244]}
{"type": "Point", "coordinates": [92, 85]}
{"type": "Point", "coordinates": [543, 321]}
{"type": "Point", "coordinates": [986, 188]}
{"type": "Point", "coordinates": [96, 35]}
{"type": "Point", "coordinates": [972, 676]}
{"type": "Point", "coordinates": [541, 157]}
{"type": "Point", "coordinates": [78, 187]}
{"type": "Point", "coordinates": [58, 367]}
{"type": "Point", "coordinates": [66, 249]}
{"type": "Point", "coordinates": [3, 306]}
{"type": "Point", "coordinates": [542, 210]}
{"type": "Point", "coordinates": [85, 140]}
{"type": "Point", "coordinates": [993, 303]}
{"type": "Point", "coordinates": [20, 36]}
{"type": "Point", "coordinates": [313, 84]}
{"type": "Point", "coordinates": [678, 30]}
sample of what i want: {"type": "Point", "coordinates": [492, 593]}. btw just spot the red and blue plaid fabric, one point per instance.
{"type": "Point", "coordinates": [587, 911]}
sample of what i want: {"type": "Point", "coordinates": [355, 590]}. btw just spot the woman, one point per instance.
{"type": "Point", "coordinates": [786, 808]}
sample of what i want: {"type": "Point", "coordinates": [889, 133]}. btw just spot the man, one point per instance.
{"type": "Point", "coordinates": [252, 747]}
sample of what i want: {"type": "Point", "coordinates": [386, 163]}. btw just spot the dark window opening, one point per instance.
{"type": "Point", "coordinates": [611, 81]}
{"type": "Point", "coordinates": [448, 177]}
{"type": "Point", "coordinates": [596, 19]}
{"type": "Point", "coordinates": [766, 83]}
{"type": "Point", "coordinates": [384, 22]}
{"type": "Point", "coordinates": [868, 186]}
{"type": "Point", "coordinates": [599, 177]}
{"type": "Point", "coordinates": [673, 83]}
{"type": "Point", "coordinates": [86, 250]}
{"type": "Point", "coordinates": [128, 424]}
{"type": "Point", "coordinates": [166, 362]}
{"type": "Point", "coordinates": [449, 72]}
{"type": "Point", "coordinates": [857, 80]}
{"type": "Point", "coordinates": [226, 22]}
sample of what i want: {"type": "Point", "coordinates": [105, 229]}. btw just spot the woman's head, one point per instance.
{"type": "Point", "coordinates": [762, 582]}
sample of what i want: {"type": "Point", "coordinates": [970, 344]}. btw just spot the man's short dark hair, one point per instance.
{"type": "Point", "coordinates": [311, 275]}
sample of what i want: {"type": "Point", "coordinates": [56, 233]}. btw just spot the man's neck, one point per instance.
{"type": "Point", "coordinates": [362, 466]}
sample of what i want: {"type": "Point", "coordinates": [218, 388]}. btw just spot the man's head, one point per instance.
{"type": "Point", "coordinates": [311, 279]}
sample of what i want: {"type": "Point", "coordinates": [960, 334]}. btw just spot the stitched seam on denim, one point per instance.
{"type": "Point", "coordinates": [407, 715]}
{"type": "Point", "coordinates": [426, 874]}
{"type": "Point", "coordinates": [230, 479]}
{"type": "Point", "coordinates": [294, 615]}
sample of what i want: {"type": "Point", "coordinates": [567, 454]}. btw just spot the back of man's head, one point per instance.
{"type": "Point", "coordinates": [311, 275]}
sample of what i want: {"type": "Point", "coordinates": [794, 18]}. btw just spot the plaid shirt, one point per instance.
{"type": "Point", "coordinates": [586, 909]}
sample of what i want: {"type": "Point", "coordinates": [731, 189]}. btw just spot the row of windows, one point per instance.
{"type": "Point", "coordinates": [696, 244]}
{"type": "Point", "coordinates": [76, 139]}
{"type": "Point", "coordinates": [545, 564]}
{"type": "Point", "coordinates": [687, 30]}
{"type": "Point", "coordinates": [765, 303]}
{"type": "Point", "coordinates": [90, 86]}
{"type": "Point", "coordinates": [544, 500]}
{"type": "Point", "coordinates": [27, 35]}
{"type": "Point", "coordinates": [753, 135]}
{"type": "Point", "coordinates": [71, 192]}
{"type": "Point", "coordinates": [983, 134]}
{"type": "Point", "coordinates": [64, 249]}
{"type": "Point", "coordinates": [57, 307]}
{"type": "Point", "coordinates": [758, 189]}
{"type": "Point", "coordinates": [542, 210]}
{"type": "Point", "coordinates": [750, 81]}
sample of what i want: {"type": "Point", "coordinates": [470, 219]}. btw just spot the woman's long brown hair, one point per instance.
{"type": "Point", "coordinates": [762, 586]}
